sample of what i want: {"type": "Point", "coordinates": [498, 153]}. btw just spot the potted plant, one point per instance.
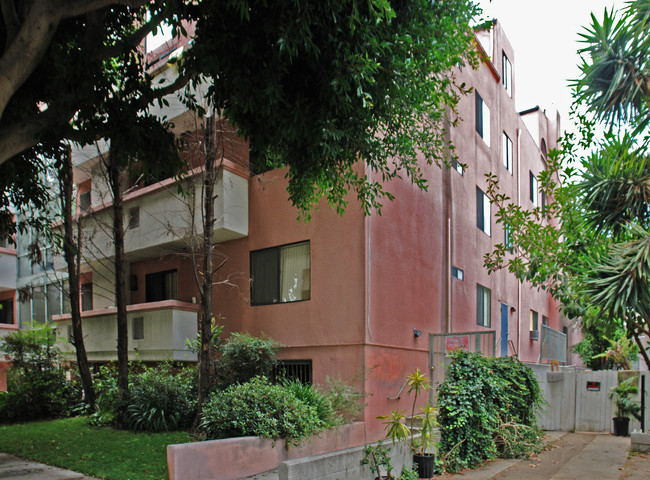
{"type": "Point", "coordinates": [376, 457]}
{"type": "Point", "coordinates": [397, 430]}
{"type": "Point", "coordinates": [625, 406]}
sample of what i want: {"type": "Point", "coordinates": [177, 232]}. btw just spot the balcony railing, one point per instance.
{"type": "Point", "coordinates": [157, 331]}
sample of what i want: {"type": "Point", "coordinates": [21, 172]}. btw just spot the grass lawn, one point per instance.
{"type": "Point", "coordinates": [74, 444]}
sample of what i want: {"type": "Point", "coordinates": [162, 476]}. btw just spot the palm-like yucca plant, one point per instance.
{"type": "Point", "coordinates": [615, 80]}
{"type": "Point", "coordinates": [396, 430]}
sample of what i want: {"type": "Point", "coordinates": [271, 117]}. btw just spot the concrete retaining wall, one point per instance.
{"type": "Point", "coordinates": [341, 465]}
{"type": "Point", "coordinates": [234, 458]}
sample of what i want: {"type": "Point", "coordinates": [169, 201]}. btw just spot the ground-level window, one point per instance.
{"type": "Point", "coordinates": [280, 274]}
{"type": "Point", "coordinates": [483, 306]}
{"type": "Point", "coordinates": [300, 370]}
{"type": "Point", "coordinates": [161, 286]}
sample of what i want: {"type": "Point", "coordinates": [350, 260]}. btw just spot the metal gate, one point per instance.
{"type": "Point", "coordinates": [442, 344]}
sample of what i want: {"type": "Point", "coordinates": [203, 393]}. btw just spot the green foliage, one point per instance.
{"type": "Point", "coordinates": [161, 401]}
{"type": "Point", "coordinates": [487, 407]}
{"type": "Point", "coordinates": [309, 395]}
{"type": "Point", "coordinates": [244, 357]}
{"type": "Point", "coordinates": [261, 409]}
{"type": "Point", "coordinates": [622, 396]}
{"type": "Point", "coordinates": [377, 457]}
{"type": "Point", "coordinates": [74, 444]}
{"type": "Point", "coordinates": [615, 80]}
{"type": "Point", "coordinates": [346, 402]}
{"type": "Point", "coordinates": [36, 383]}
{"type": "Point", "coordinates": [396, 430]}
{"type": "Point", "coordinates": [339, 80]}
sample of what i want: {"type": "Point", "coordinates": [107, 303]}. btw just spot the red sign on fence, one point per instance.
{"type": "Point", "coordinates": [457, 342]}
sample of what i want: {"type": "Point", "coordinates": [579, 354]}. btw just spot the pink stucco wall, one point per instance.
{"type": "Point", "coordinates": [235, 458]}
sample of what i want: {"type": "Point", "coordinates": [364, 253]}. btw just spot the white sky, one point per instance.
{"type": "Point", "coordinates": [544, 36]}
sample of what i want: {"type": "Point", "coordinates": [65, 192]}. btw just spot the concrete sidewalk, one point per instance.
{"type": "Point", "coordinates": [21, 469]}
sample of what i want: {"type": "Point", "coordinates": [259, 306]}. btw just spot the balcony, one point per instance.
{"type": "Point", "coordinates": [158, 219]}
{"type": "Point", "coordinates": [157, 332]}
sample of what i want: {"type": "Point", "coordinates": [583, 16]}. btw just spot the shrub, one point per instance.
{"type": "Point", "coordinates": [487, 407]}
{"type": "Point", "coordinates": [160, 401]}
{"type": "Point", "coordinates": [36, 383]}
{"type": "Point", "coordinates": [261, 409]}
{"type": "Point", "coordinates": [244, 357]}
{"type": "Point", "coordinates": [106, 389]}
{"type": "Point", "coordinates": [345, 401]}
{"type": "Point", "coordinates": [309, 395]}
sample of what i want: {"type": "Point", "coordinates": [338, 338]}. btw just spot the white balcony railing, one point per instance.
{"type": "Point", "coordinates": [157, 332]}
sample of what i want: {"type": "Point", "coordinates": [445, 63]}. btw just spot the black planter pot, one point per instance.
{"type": "Point", "coordinates": [425, 464]}
{"type": "Point", "coordinates": [621, 426]}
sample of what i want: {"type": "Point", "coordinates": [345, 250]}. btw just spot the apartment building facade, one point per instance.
{"type": "Point", "coordinates": [364, 299]}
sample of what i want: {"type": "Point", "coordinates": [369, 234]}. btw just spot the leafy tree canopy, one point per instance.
{"type": "Point", "coordinates": [314, 85]}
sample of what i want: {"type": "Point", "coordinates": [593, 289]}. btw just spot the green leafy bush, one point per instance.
{"type": "Point", "coordinates": [311, 396]}
{"type": "Point", "coordinates": [258, 408]}
{"type": "Point", "coordinates": [36, 383]}
{"type": "Point", "coordinates": [244, 357]}
{"type": "Point", "coordinates": [346, 402]}
{"type": "Point", "coordinates": [160, 398]}
{"type": "Point", "coordinates": [487, 408]}
{"type": "Point", "coordinates": [160, 401]}
{"type": "Point", "coordinates": [106, 390]}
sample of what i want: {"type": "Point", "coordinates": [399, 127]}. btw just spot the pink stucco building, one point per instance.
{"type": "Point", "coordinates": [365, 299]}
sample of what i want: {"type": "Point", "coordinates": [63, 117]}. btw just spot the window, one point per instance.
{"type": "Point", "coordinates": [7, 311]}
{"type": "Point", "coordinates": [161, 286]}
{"type": "Point", "coordinates": [507, 152]}
{"type": "Point", "coordinates": [483, 305]}
{"type": "Point", "coordinates": [482, 211]}
{"type": "Point", "coordinates": [482, 119]}
{"type": "Point", "coordinates": [134, 218]}
{"type": "Point", "coordinates": [533, 321]}
{"type": "Point", "coordinates": [138, 328]}
{"type": "Point", "coordinates": [533, 188]}
{"type": "Point", "coordinates": [544, 320]}
{"type": "Point", "coordinates": [300, 370]}
{"type": "Point", "coordinates": [457, 273]}
{"type": "Point", "coordinates": [86, 297]}
{"type": "Point", "coordinates": [507, 238]}
{"type": "Point", "coordinates": [280, 274]}
{"type": "Point", "coordinates": [457, 166]}
{"type": "Point", "coordinates": [506, 76]}
{"type": "Point", "coordinates": [7, 242]}
{"type": "Point", "coordinates": [84, 201]}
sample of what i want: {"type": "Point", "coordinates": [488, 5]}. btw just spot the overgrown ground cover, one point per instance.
{"type": "Point", "coordinates": [74, 444]}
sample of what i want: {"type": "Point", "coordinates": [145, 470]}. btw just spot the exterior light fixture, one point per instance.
{"type": "Point", "coordinates": [416, 332]}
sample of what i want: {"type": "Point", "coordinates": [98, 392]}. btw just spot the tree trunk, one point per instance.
{"type": "Point", "coordinates": [116, 175]}
{"type": "Point", "coordinates": [71, 260]}
{"type": "Point", "coordinates": [206, 287]}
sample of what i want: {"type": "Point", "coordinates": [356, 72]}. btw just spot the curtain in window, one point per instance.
{"type": "Point", "coordinates": [294, 277]}
{"type": "Point", "coordinates": [171, 285]}
{"type": "Point", "coordinates": [264, 273]}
